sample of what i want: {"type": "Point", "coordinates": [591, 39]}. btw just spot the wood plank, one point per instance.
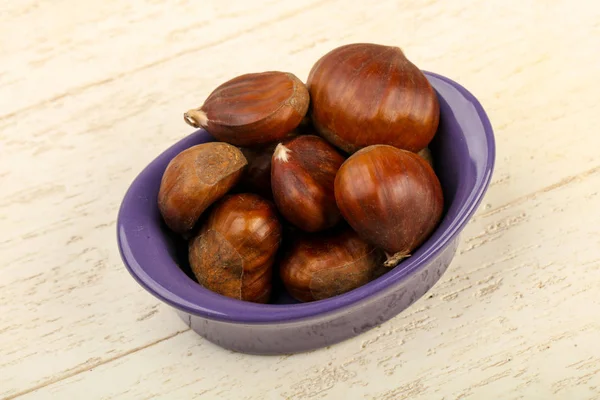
{"type": "Point", "coordinates": [83, 45]}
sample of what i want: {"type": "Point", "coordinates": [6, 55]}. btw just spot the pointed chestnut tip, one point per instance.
{"type": "Point", "coordinates": [394, 259]}
{"type": "Point", "coordinates": [282, 153]}
{"type": "Point", "coordinates": [196, 118]}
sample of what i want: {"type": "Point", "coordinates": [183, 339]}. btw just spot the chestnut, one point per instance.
{"type": "Point", "coordinates": [257, 178]}
{"type": "Point", "coordinates": [326, 264]}
{"type": "Point", "coordinates": [365, 94]}
{"type": "Point", "coordinates": [253, 109]}
{"type": "Point", "coordinates": [234, 250]}
{"type": "Point", "coordinates": [391, 197]}
{"type": "Point", "coordinates": [303, 170]}
{"type": "Point", "coordinates": [195, 179]}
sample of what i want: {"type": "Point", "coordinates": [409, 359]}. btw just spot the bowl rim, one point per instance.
{"type": "Point", "coordinates": [213, 306]}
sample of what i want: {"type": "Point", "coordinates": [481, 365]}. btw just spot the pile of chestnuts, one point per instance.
{"type": "Point", "coordinates": [325, 185]}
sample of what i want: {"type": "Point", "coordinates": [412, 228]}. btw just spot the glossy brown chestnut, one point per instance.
{"type": "Point", "coordinates": [195, 179]}
{"type": "Point", "coordinates": [327, 264]}
{"type": "Point", "coordinates": [303, 170]}
{"type": "Point", "coordinates": [253, 109]}
{"type": "Point", "coordinates": [364, 94]}
{"type": "Point", "coordinates": [234, 250]}
{"type": "Point", "coordinates": [391, 197]}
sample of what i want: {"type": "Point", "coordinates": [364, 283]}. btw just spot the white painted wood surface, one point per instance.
{"type": "Point", "coordinates": [91, 91]}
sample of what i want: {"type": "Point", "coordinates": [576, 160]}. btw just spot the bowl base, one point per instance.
{"type": "Point", "coordinates": [301, 336]}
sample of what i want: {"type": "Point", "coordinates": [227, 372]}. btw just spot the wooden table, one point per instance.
{"type": "Point", "coordinates": [91, 91]}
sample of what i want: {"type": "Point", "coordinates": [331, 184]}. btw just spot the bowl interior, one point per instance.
{"type": "Point", "coordinates": [463, 150]}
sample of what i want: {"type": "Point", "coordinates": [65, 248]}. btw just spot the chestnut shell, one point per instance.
{"type": "Point", "coordinates": [234, 250]}
{"type": "Point", "coordinates": [257, 178]}
{"type": "Point", "coordinates": [391, 197]}
{"type": "Point", "coordinates": [194, 179]}
{"type": "Point", "coordinates": [303, 170]}
{"type": "Point", "coordinates": [365, 94]}
{"type": "Point", "coordinates": [253, 109]}
{"type": "Point", "coordinates": [330, 263]}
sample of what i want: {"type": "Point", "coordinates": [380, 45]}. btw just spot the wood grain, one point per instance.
{"type": "Point", "coordinates": [90, 93]}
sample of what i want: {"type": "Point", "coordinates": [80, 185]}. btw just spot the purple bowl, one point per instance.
{"type": "Point", "coordinates": [464, 151]}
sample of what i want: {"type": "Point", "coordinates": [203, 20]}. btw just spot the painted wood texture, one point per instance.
{"type": "Point", "coordinates": [91, 91]}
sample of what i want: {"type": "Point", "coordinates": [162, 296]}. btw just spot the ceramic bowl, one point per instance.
{"type": "Point", "coordinates": [464, 153]}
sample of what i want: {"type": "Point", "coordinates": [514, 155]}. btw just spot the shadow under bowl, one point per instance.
{"type": "Point", "coordinates": [464, 154]}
